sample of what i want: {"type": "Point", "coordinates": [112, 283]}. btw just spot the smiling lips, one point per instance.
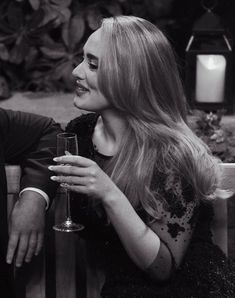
{"type": "Point", "coordinates": [80, 89]}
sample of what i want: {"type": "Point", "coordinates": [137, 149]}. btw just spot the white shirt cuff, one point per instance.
{"type": "Point", "coordinates": [41, 192]}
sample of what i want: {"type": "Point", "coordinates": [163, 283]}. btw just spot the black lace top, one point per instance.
{"type": "Point", "coordinates": [204, 272]}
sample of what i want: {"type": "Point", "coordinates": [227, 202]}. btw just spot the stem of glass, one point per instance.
{"type": "Point", "coordinates": [68, 211]}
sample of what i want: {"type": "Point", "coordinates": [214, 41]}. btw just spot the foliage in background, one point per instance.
{"type": "Point", "coordinates": [41, 41]}
{"type": "Point", "coordinates": [220, 140]}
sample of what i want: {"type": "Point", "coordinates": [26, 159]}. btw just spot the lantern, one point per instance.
{"type": "Point", "coordinates": [208, 65]}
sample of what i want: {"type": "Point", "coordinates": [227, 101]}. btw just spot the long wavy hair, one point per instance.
{"type": "Point", "coordinates": [138, 75]}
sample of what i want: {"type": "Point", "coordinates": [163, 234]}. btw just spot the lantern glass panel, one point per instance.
{"type": "Point", "coordinates": [210, 78]}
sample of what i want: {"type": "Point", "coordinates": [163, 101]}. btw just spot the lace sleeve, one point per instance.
{"type": "Point", "coordinates": [178, 214]}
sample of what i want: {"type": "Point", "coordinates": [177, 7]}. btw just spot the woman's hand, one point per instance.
{"type": "Point", "coordinates": [82, 175]}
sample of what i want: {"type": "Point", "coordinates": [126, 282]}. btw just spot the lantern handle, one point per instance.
{"type": "Point", "coordinates": [210, 5]}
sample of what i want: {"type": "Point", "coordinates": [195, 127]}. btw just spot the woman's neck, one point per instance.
{"type": "Point", "coordinates": [108, 132]}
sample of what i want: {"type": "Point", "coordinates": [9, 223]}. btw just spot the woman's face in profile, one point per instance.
{"type": "Point", "coordinates": [88, 96]}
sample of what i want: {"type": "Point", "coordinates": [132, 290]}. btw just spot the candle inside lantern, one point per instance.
{"type": "Point", "coordinates": [210, 78]}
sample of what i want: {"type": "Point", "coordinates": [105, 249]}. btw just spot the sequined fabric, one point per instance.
{"type": "Point", "coordinates": [205, 271]}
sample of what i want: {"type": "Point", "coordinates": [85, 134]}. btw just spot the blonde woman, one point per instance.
{"type": "Point", "coordinates": [145, 181]}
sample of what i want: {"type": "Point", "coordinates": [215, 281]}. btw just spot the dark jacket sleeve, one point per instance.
{"type": "Point", "coordinates": [30, 141]}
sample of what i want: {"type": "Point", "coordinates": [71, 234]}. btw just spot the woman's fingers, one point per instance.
{"type": "Point", "coordinates": [76, 188]}
{"type": "Point", "coordinates": [69, 170]}
{"type": "Point", "coordinates": [74, 160]}
{"type": "Point", "coordinates": [71, 180]}
{"type": "Point", "coordinates": [81, 175]}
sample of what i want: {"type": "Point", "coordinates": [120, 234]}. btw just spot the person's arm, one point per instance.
{"type": "Point", "coordinates": [37, 190]}
{"type": "Point", "coordinates": [140, 241]}
{"type": "Point", "coordinates": [157, 248]}
{"type": "Point", "coordinates": [28, 140]}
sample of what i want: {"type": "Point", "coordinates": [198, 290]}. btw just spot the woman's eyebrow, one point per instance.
{"type": "Point", "coordinates": [92, 57]}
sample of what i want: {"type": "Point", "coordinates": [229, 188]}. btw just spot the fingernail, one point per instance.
{"type": "Point", "coordinates": [8, 261]}
{"type": "Point", "coordinates": [54, 178]}
{"type": "Point", "coordinates": [56, 158]}
{"type": "Point", "coordinates": [51, 168]}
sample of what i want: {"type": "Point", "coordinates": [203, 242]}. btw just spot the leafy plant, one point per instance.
{"type": "Point", "coordinates": [220, 140]}
{"type": "Point", "coordinates": [20, 34]}
{"type": "Point", "coordinates": [41, 40]}
{"type": "Point", "coordinates": [61, 57]}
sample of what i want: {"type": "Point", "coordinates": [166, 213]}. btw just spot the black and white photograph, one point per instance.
{"type": "Point", "coordinates": [117, 149]}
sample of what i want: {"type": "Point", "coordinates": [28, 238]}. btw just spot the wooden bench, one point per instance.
{"type": "Point", "coordinates": [54, 274]}
{"type": "Point", "coordinates": [220, 225]}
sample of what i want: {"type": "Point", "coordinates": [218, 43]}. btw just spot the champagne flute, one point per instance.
{"type": "Point", "coordinates": [67, 144]}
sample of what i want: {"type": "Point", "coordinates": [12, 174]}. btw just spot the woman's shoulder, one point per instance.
{"type": "Point", "coordinates": [173, 190]}
{"type": "Point", "coordinates": [82, 124]}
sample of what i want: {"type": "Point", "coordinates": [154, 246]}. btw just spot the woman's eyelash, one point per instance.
{"type": "Point", "coordinates": [81, 58]}
{"type": "Point", "coordinates": [92, 65]}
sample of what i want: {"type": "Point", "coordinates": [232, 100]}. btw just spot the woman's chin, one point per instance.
{"type": "Point", "coordinates": [77, 101]}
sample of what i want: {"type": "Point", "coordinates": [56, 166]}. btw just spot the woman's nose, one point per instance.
{"type": "Point", "coordinates": [78, 71]}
